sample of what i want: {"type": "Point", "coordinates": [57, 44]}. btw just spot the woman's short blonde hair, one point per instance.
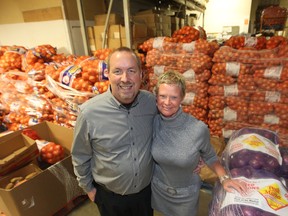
{"type": "Point", "coordinates": [171, 77]}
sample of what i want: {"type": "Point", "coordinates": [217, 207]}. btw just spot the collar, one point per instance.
{"type": "Point", "coordinates": [118, 104]}
{"type": "Point", "coordinates": [177, 120]}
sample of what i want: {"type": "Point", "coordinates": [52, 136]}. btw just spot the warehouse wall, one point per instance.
{"type": "Point", "coordinates": [32, 22]}
{"type": "Point", "coordinates": [12, 11]}
{"type": "Point", "coordinates": [221, 13]}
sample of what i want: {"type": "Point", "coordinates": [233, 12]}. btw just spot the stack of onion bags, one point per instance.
{"type": "Point", "coordinates": [253, 156]}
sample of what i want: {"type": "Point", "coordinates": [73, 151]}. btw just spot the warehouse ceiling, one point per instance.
{"type": "Point", "coordinates": [163, 6]}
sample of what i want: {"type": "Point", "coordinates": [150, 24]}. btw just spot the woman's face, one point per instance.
{"type": "Point", "coordinates": [169, 99]}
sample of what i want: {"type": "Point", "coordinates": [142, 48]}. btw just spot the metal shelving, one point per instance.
{"type": "Point", "coordinates": [188, 5]}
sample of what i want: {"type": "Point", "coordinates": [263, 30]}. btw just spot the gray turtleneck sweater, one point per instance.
{"type": "Point", "coordinates": [178, 143]}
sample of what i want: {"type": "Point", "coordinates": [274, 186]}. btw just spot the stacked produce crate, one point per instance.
{"type": "Point", "coordinates": [249, 86]}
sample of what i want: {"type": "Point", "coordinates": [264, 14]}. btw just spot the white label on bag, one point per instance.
{"type": "Point", "coordinates": [189, 75]}
{"type": "Point", "coordinates": [189, 47]}
{"type": "Point", "coordinates": [273, 72]}
{"type": "Point", "coordinates": [158, 43]}
{"type": "Point", "coordinates": [158, 69]}
{"type": "Point", "coordinates": [229, 114]}
{"type": "Point", "coordinates": [189, 98]}
{"type": "Point", "coordinates": [272, 96]}
{"type": "Point", "coordinates": [250, 41]}
{"type": "Point", "coordinates": [267, 194]}
{"type": "Point", "coordinates": [232, 68]}
{"type": "Point", "coordinates": [271, 119]}
{"type": "Point", "coordinates": [227, 133]}
{"type": "Point", "coordinates": [255, 142]}
{"type": "Point", "coordinates": [231, 90]}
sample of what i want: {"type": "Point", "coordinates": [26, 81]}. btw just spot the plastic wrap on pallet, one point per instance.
{"type": "Point", "coordinates": [69, 182]}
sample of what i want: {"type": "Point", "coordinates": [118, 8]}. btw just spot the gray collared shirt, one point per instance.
{"type": "Point", "coordinates": [112, 144]}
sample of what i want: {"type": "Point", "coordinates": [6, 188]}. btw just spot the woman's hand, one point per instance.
{"type": "Point", "coordinates": [232, 185]}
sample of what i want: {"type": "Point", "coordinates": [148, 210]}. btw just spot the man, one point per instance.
{"type": "Point", "coordinates": [112, 140]}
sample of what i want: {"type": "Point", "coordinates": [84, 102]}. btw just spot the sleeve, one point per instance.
{"type": "Point", "coordinates": [81, 153]}
{"type": "Point", "coordinates": [207, 151]}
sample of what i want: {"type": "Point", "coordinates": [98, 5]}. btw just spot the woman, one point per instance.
{"type": "Point", "coordinates": [179, 141]}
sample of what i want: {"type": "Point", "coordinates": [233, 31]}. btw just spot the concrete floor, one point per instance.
{"type": "Point", "coordinates": [89, 208]}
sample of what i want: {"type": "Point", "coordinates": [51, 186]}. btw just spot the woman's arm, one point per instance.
{"type": "Point", "coordinates": [229, 185]}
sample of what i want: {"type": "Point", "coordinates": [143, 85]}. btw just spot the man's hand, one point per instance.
{"type": "Point", "coordinates": [92, 194]}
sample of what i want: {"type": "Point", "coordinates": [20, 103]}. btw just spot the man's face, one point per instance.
{"type": "Point", "coordinates": [125, 77]}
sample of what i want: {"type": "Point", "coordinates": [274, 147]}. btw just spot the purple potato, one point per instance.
{"type": "Point", "coordinates": [259, 156]}
{"type": "Point", "coordinates": [249, 211]}
{"type": "Point", "coordinates": [285, 159]}
{"type": "Point", "coordinates": [244, 172]}
{"type": "Point", "coordinates": [256, 164]}
{"type": "Point", "coordinates": [261, 173]}
{"type": "Point", "coordinates": [271, 164]}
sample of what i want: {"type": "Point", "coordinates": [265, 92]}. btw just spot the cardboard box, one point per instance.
{"type": "Point", "coordinates": [138, 30]}
{"type": "Point", "coordinates": [135, 42]}
{"type": "Point", "coordinates": [90, 32]}
{"type": "Point", "coordinates": [23, 173]}
{"type": "Point", "coordinates": [152, 18]}
{"type": "Point", "coordinates": [113, 37]}
{"type": "Point", "coordinates": [52, 188]}
{"type": "Point", "coordinates": [206, 174]}
{"type": "Point", "coordinates": [114, 32]}
{"type": "Point", "coordinates": [154, 32]}
{"type": "Point", "coordinates": [99, 35]}
{"type": "Point", "coordinates": [45, 14]}
{"type": "Point", "coordinates": [116, 35]}
{"type": "Point", "coordinates": [113, 19]}
{"type": "Point", "coordinates": [150, 11]}
{"type": "Point", "coordinates": [92, 44]}
{"type": "Point", "coordinates": [166, 29]}
{"type": "Point", "coordinates": [16, 151]}
{"type": "Point", "coordinates": [182, 22]}
{"type": "Point", "coordinates": [148, 18]}
{"type": "Point", "coordinates": [175, 24]}
{"type": "Point", "coordinates": [156, 23]}
{"type": "Point", "coordinates": [114, 43]}
{"type": "Point", "coordinates": [190, 21]}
